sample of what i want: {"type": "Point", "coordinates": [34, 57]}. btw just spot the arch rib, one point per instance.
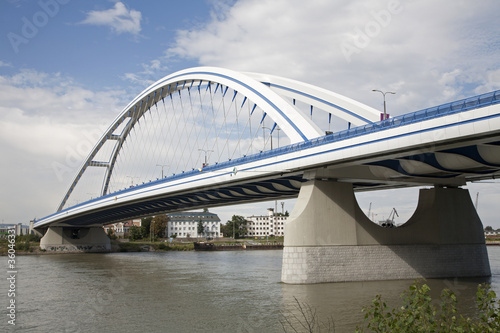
{"type": "Point", "coordinates": [343, 107]}
{"type": "Point", "coordinates": [297, 127]}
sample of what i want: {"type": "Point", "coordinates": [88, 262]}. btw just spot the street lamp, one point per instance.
{"type": "Point", "coordinates": [278, 129]}
{"type": "Point", "coordinates": [205, 151]}
{"type": "Point", "coordinates": [383, 93]}
{"type": "Point", "coordinates": [270, 134]}
{"type": "Point", "coordinates": [161, 165]}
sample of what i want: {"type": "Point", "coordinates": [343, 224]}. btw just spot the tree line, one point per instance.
{"type": "Point", "coordinates": [151, 228]}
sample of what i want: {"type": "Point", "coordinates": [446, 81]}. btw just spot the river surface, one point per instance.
{"type": "Point", "coordinates": [236, 291]}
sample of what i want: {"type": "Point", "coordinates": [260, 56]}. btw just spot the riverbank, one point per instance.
{"type": "Point", "coordinates": [203, 246]}
{"type": "Point", "coordinates": [33, 248]}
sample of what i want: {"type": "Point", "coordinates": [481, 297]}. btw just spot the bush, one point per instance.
{"type": "Point", "coordinates": [417, 314]}
{"type": "Point", "coordinates": [23, 246]}
{"type": "Point", "coordinates": [28, 238]}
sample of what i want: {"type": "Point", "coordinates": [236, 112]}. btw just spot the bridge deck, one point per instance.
{"type": "Point", "coordinates": [258, 189]}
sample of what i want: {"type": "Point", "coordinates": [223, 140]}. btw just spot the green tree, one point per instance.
{"type": "Point", "coordinates": [418, 314]}
{"type": "Point", "coordinates": [134, 233]}
{"type": "Point", "coordinates": [236, 224]}
{"type": "Point", "coordinates": [201, 229]}
{"type": "Point", "coordinates": [111, 234]}
{"type": "Point", "coordinates": [145, 227]}
{"type": "Point", "coordinates": [159, 224]}
{"type": "Point", "coordinates": [488, 228]}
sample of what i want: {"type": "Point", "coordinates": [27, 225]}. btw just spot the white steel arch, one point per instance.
{"type": "Point", "coordinates": [343, 107]}
{"type": "Point", "coordinates": [294, 124]}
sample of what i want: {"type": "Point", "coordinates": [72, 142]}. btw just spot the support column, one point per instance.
{"type": "Point", "coordinates": [71, 239]}
{"type": "Point", "coordinates": [329, 239]}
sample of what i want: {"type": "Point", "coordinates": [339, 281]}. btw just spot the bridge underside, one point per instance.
{"type": "Point", "coordinates": [267, 189]}
{"type": "Point", "coordinates": [329, 239]}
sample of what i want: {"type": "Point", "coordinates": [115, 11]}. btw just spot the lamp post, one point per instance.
{"type": "Point", "coordinates": [270, 134]}
{"type": "Point", "coordinates": [205, 151]}
{"type": "Point", "coordinates": [383, 93]}
{"type": "Point", "coordinates": [278, 129]}
{"type": "Point", "coordinates": [161, 165]}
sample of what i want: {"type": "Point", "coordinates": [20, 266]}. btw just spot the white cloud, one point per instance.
{"type": "Point", "coordinates": [4, 64]}
{"type": "Point", "coordinates": [150, 73]}
{"type": "Point", "coordinates": [119, 19]}
{"type": "Point", "coordinates": [415, 46]}
{"type": "Point", "coordinates": [46, 119]}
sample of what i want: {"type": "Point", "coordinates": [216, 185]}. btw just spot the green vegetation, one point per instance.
{"type": "Point", "coordinates": [111, 234]}
{"type": "Point", "coordinates": [28, 238]}
{"type": "Point", "coordinates": [236, 227]}
{"type": "Point", "coordinates": [159, 224]}
{"type": "Point", "coordinates": [151, 228]}
{"type": "Point", "coordinates": [24, 243]}
{"type": "Point", "coordinates": [134, 233]}
{"type": "Point", "coordinates": [418, 314]}
{"type": "Point", "coordinates": [145, 227]}
{"type": "Point", "coordinates": [23, 246]}
{"type": "Point", "coordinates": [201, 229]}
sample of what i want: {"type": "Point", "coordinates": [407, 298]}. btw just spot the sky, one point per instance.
{"type": "Point", "coordinates": [68, 67]}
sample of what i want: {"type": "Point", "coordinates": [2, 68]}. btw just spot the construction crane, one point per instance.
{"type": "Point", "coordinates": [389, 223]}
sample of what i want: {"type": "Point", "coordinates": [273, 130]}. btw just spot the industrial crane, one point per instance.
{"type": "Point", "coordinates": [389, 223]}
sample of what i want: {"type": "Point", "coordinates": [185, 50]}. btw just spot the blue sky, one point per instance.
{"type": "Point", "coordinates": [67, 68]}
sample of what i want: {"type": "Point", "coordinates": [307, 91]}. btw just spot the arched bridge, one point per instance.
{"type": "Point", "coordinates": [163, 131]}
{"type": "Point", "coordinates": [206, 137]}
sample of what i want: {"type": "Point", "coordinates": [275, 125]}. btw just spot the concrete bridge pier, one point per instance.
{"type": "Point", "coordinates": [329, 239]}
{"type": "Point", "coordinates": [75, 239]}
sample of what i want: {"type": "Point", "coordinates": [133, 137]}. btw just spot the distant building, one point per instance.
{"type": "Point", "coordinates": [185, 224]}
{"type": "Point", "coordinates": [121, 229]}
{"type": "Point", "coordinates": [19, 228]}
{"type": "Point", "coordinates": [266, 225]}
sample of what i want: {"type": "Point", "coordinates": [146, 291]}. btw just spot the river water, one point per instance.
{"type": "Point", "coordinates": [236, 291]}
